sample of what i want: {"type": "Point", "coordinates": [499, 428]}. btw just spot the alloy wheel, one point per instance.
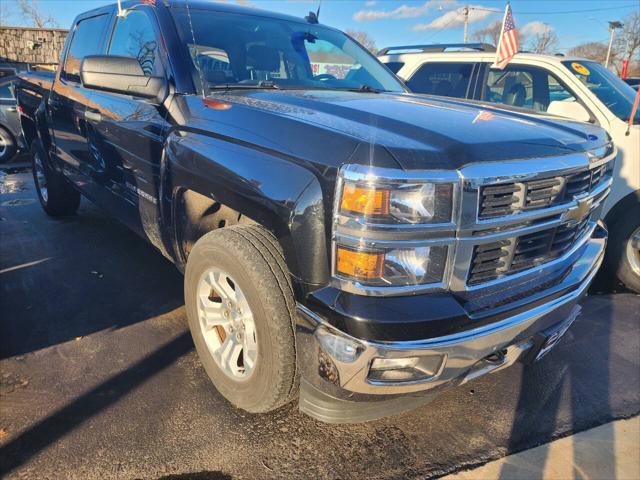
{"type": "Point", "coordinates": [227, 324]}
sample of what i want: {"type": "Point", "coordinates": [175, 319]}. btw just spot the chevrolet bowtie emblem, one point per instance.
{"type": "Point", "coordinates": [577, 214]}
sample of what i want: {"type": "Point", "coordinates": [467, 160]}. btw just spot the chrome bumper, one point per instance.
{"type": "Point", "coordinates": [340, 365]}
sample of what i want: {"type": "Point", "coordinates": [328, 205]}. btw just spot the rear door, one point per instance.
{"type": "Point", "coordinates": [68, 101]}
{"type": "Point", "coordinates": [446, 79]}
{"type": "Point", "coordinates": [126, 133]}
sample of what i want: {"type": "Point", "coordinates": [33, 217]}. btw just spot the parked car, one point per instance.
{"type": "Point", "coordinates": [344, 242]}
{"type": "Point", "coordinates": [573, 88]}
{"type": "Point", "coordinates": [10, 138]}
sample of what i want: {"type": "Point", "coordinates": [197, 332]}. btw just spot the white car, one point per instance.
{"type": "Point", "coordinates": [574, 88]}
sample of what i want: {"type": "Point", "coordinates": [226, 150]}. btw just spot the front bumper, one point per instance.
{"type": "Point", "coordinates": [337, 375]}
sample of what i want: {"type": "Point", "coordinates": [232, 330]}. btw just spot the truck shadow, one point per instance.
{"type": "Point", "coordinates": [62, 279]}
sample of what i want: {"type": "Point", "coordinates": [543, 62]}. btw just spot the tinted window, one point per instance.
{"type": "Point", "coordinates": [134, 36]}
{"type": "Point", "coordinates": [444, 79]}
{"type": "Point", "coordinates": [613, 92]}
{"type": "Point", "coordinates": [243, 51]}
{"type": "Point", "coordinates": [394, 66]}
{"type": "Point", "coordinates": [6, 91]}
{"type": "Point", "coordinates": [525, 87]}
{"type": "Point", "coordinates": [87, 40]}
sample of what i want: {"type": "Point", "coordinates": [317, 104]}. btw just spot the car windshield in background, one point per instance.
{"type": "Point", "coordinates": [250, 51]}
{"type": "Point", "coordinates": [612, 91]}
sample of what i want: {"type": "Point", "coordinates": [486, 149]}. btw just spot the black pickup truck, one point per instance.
{"type": "Point", "coordinates": [344, 242]}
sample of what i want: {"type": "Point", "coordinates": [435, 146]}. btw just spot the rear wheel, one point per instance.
{"type": "Point", "coordinates": [240, 309]}
{"type": "Point", "coordinates": [8, 146]}
{"type": "Point", "coordinates": [56, 195]}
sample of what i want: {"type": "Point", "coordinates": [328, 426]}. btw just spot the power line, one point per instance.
{"type": "Point", "coordinates": [575, 11]}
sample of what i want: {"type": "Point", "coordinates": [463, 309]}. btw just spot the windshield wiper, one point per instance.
{"type": "Point", "coordinates": [366, 88]}
{"type": "Point", "coordinates": [263, 84]}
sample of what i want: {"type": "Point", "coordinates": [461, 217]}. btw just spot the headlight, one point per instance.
{"type": "Point", "coordinates": [393, 202]}
{"type": "Point", "coordinates": [393, 230]}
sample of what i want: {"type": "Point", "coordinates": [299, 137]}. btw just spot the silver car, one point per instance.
{"type": "Point", "coordinates": [10, 132]}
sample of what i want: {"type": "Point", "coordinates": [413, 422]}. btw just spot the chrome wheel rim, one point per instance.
{"type": "Point", "coordinates": [227, 324]}
{"type": "Point", "coordinates": [633, 251]}
{"type": "Point", "coordinates": [40, 177]}
{"type": "Point", "coordinates": [4, 143]}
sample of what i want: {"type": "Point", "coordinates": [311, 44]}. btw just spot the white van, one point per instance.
{"type": "Point", "coordinates": [574, 88]}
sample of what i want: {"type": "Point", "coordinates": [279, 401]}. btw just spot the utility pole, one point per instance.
{"type": "Point", "coordinates": [612, 29]}
{"type": "Point", "coordinates": [465, 13]}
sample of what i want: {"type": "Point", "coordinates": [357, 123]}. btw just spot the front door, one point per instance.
{"type": "Point", "coordinates": [126, 133]}
{"type": "Point", "coordinates": [69, 99]}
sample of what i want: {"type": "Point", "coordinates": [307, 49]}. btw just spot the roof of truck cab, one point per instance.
{"type": "Point", "coordinates": [231, 8]}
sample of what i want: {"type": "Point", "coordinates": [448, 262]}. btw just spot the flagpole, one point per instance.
{"type": "Point", "coordinates": [504, 19]}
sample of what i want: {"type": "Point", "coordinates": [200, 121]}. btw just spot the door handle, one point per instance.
{"type": "Point", "coordinates": [94, 116]}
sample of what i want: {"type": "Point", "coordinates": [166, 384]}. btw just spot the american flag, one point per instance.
{"type": "Point", "coordinates": [508, 44]}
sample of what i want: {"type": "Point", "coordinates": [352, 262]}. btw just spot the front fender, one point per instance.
{"type": "Point", "coordinates": [281, 194]}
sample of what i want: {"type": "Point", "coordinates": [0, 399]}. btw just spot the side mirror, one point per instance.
{"type": "Point", "coordinates": [569, 109]}
{"type": "Point", "coordinates": [121, 75]}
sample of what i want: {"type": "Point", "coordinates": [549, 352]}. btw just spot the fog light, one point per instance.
{"type": "Point", "coordinates": [406, 369]}
{"type": "Point", "coordinates": [339, 348]}
{"type": "Point", "coordinates": [393, 363]}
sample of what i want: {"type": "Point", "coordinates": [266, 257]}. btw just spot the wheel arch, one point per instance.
{"type": "Point", "coordinates": [214, 184]}
{"type": "Point", "coordinates": [616, 213]}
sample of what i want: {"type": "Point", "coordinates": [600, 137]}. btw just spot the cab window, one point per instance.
{"type": "Point", "coordinates": [525, 87]}
{"type": "Point", "coordinates": [134, 36]}
{"type": "Point", "coordinates": [445, 79]}
{"type": "Point", "coordinates": [87, 40]}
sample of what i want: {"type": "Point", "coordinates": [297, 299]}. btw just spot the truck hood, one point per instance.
{"type": "Point", "coordinates": [418, 131]}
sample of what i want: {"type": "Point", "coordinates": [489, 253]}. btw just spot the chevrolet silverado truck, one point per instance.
{"type": "Point", "coordinates": [343, 242]}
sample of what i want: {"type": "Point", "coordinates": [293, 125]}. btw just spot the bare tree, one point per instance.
{"type": "Point", "coordinates": [595, 51]}
{"type": "Point", "coordinates": [364, 39]}
{"type": "Point", "coordinates": [543, 41]}
{"type": "Point", "coordinates": [31, 11]}
{"type": "Point", "coordinates": [628, 39]}
{"type": "Point", "coordinates": [490, 33]}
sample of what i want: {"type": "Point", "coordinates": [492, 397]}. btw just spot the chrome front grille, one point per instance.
{"type": "Point", "coordinates": [499, 259]}
{"type": "Point", "coordinates": [518, 218]}
{"type": "Point", "coordinates": [512, 198]}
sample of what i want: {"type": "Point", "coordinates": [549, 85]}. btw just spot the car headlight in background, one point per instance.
{"type": "Point", "coordinates": [374, 209]}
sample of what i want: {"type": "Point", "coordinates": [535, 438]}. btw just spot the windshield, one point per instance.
{"type": "Point", "coordinates": [247, 51]}
{"type": "Point", "coordinates": [610, 90]}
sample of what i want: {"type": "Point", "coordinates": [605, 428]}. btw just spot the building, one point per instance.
{"type": "Point", "coordinates": [29, 48]}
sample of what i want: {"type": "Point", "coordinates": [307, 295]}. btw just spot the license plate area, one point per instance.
{"type": "Point", "coordinates": [552, 335]}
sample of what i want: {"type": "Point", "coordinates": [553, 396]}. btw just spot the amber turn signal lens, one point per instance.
{"type": "Point", "coordinates": [363, 265]}
{"type": "Point", "coordinates": [367, 201]}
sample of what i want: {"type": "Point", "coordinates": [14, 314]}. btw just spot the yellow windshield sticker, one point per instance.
{"type": "Point", "coordinates": [581, 69]}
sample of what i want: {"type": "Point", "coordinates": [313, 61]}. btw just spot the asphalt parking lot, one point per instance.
{"type": "Point", "coordinates": [99, 378]}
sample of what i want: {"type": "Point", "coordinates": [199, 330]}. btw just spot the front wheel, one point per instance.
{"type": "Point", "coordinates": [240, 309]}
{"type": "Point", "coordinates": [624, 249]}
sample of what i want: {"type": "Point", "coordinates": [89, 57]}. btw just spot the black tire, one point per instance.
{"type": "Point", "coordinates": [61, 198]}
{"type": "Point", "coordinates": [8, 148]}
{"type": "Point", "coordinates": [618, 262]}
{"type": "Point", "coordinates": [252, 257]}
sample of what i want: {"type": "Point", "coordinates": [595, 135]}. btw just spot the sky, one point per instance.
{"type": "Point", "coordinates": [398, 22]}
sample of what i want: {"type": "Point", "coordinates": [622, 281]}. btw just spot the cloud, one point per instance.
{"type": "Point", "coordinates": [370, 3]}
{"type": "Point", "coordinates": [535, 28]}
{"type": "Point", "coordinates": [403, 11]}
{"type": "Point", "coordinates": [454, 18]}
